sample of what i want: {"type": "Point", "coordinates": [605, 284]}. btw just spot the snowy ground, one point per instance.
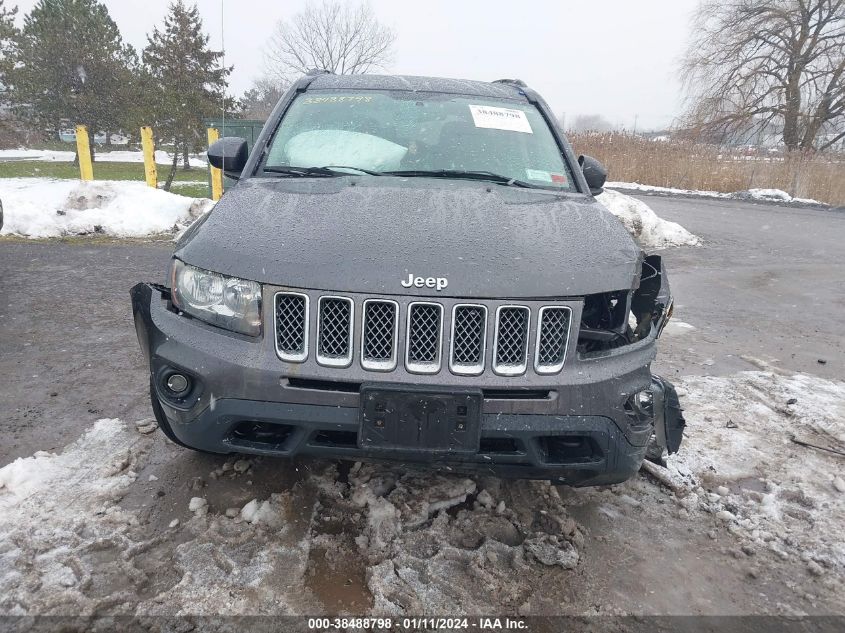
{"type": "Point", "coordinates": [116, 156]}
{"type": "Point", "coordinates": [742, 461]}
{"type": "Point", "coordinates": [43, 207]}
{"type": "Point", "coordinates": [766, 195]}
{"type": "Point", "coordinates": [390, 540]}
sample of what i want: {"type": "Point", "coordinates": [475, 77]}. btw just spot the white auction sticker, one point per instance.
{"type": "Point", "coordinates": [537, 174]}
{"type": "Point", "coordinates": [500, 118]}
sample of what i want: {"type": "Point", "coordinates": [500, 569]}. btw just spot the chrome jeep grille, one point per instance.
{"type": "Point", "coordinates": [552, 339]}
{"type": "Point", "coordinates": [379, 337]}
{"type": "Point", "coordinates": [334, 331]}
{"type": "Point", "coordinates": [469, 333]}
{"type": "Point", "coordinates": [510, 348]}
{"type": "Point", "coordinates": [423, 345]}
{"type": "Point", "coordinates": [291, 326]}
{"type": "Point", "coordinates": [474, 337]}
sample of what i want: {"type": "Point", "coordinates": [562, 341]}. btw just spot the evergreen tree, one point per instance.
{"type": "Point", "coordinates": [8, 37]}
{"type": "Point", "coordinates": [9, 136]}
{"type": "Point", "coordinates": [70, 67]}
{"type": "Point", "coordinates": [188, 82]}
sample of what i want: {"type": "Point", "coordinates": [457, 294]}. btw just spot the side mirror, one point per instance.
{"type": "Point", "coordinates": [594, 173]}
{"type": "Point", "coordinates": [229, 154]}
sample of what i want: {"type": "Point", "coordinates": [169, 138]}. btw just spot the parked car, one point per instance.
{"type": "Point", "coordinates": [413, 269]}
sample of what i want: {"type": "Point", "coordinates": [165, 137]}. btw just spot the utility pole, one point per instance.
{"type": "Point", "coordinates": [636, 116]}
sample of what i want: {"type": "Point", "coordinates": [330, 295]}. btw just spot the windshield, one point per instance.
{"type": "Point", "coordinates": [392, 131]}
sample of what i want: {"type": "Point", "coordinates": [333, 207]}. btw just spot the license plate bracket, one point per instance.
{"type": "Point", "coordinates": [411, 418]}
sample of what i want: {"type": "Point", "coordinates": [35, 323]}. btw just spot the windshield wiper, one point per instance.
{"type": "Point", "coordinates": [462, 174]}
{"type": "Point", "coordinates": [336, 168]}
{"type": "Point", "coordinates": [300, 172]}
{"type": "Point", "coordinates": [326, 172]}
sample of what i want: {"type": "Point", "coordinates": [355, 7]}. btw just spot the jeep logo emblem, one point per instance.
{"type": "Point", "coordinates": [438, 283]}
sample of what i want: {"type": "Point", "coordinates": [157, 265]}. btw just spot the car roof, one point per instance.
{"type": "Point", "coordinates": [420, 84]}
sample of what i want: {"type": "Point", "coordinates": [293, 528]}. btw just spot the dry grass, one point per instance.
{"type": "Point", "coordinates": [688, 165]}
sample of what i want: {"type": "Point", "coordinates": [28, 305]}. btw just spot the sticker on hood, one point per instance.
{"type": "Point", "coordinates": [500, 118]}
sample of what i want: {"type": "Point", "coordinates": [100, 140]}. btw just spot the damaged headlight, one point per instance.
{"type": "Point", "coordinates": [227, 302]}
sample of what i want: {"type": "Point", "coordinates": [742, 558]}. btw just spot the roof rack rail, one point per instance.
{"type": "Point", "coordinates": [513, 82]}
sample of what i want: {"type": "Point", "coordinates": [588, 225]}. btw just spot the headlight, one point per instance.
{"type": "Point", "coordinates": [228, 302]}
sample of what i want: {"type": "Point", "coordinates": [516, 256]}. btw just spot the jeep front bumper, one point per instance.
{"type": "Point", "coordinates": [577, 427]}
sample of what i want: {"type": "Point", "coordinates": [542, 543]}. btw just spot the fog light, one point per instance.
{"type": "Point", "coordinates": [644, 399]}
{"type": "Point", "coordinates": [177, 383]}
{"type": "Point", "coordinates": [641, 404]}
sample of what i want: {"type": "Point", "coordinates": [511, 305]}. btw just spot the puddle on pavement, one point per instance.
{"type": "Point", "coordinates": [341, 587]}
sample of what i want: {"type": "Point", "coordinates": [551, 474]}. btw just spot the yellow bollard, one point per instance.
{"type": "Point", "coordinates": [148, 145]}
{"type": "Point", "coordinates": [83, 148]}
{"type": "Point", "coordinates": [216, 174]}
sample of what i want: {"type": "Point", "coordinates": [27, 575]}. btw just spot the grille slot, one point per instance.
{"type": "Point", "coordinates": [510, 348]}
{"type": "Point", "coordinates": [468, 341]}
{"type": "Point", "coordinates": [552, 339]}
{"type": "Point", "coordinates": [424, 339]}
{"type": "Point", "coordinates": [379, 336]}
{"type": "Point", "coordinates": [291, 326]}
{"type": "Point", "coordinates": [334, 331]}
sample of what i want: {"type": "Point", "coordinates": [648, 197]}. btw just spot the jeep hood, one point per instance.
{"type": "Point", "coordinates": [366, 234]}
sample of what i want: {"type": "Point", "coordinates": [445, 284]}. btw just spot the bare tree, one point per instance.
{"type": "Point", "coordinates": [333, 36]}
{"type": "Point", "coordinates": [258, 102]}
{"type": "Point", "coordinates": [757, 65]}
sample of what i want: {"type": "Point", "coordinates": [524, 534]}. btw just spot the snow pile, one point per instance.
{"type": "Point", "coordinates": [648, 229]}
{"type": "Point", "coordinates": [68, 547]}
{"type": "Point", "coordinates": [58, 514]}
{"type": "Point", "coordinates": [771, 195]}
{"type": "Point", "coordinates": [740, 463]}
{"type": "Point", "coordinates": [676, 327]}
{"type": "Point", "coordinates": [43, 207]}
{"type": "Point", "coordinates": [117, 156]}
{"type": "Point", "coordinates": [27, 477]}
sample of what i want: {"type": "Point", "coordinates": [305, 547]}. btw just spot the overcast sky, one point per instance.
{"type": "Point", "coordinates": [617, 58]}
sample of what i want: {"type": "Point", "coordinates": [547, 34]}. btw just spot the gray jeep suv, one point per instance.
{"type": "Point", "coordinates": [413, 269]}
